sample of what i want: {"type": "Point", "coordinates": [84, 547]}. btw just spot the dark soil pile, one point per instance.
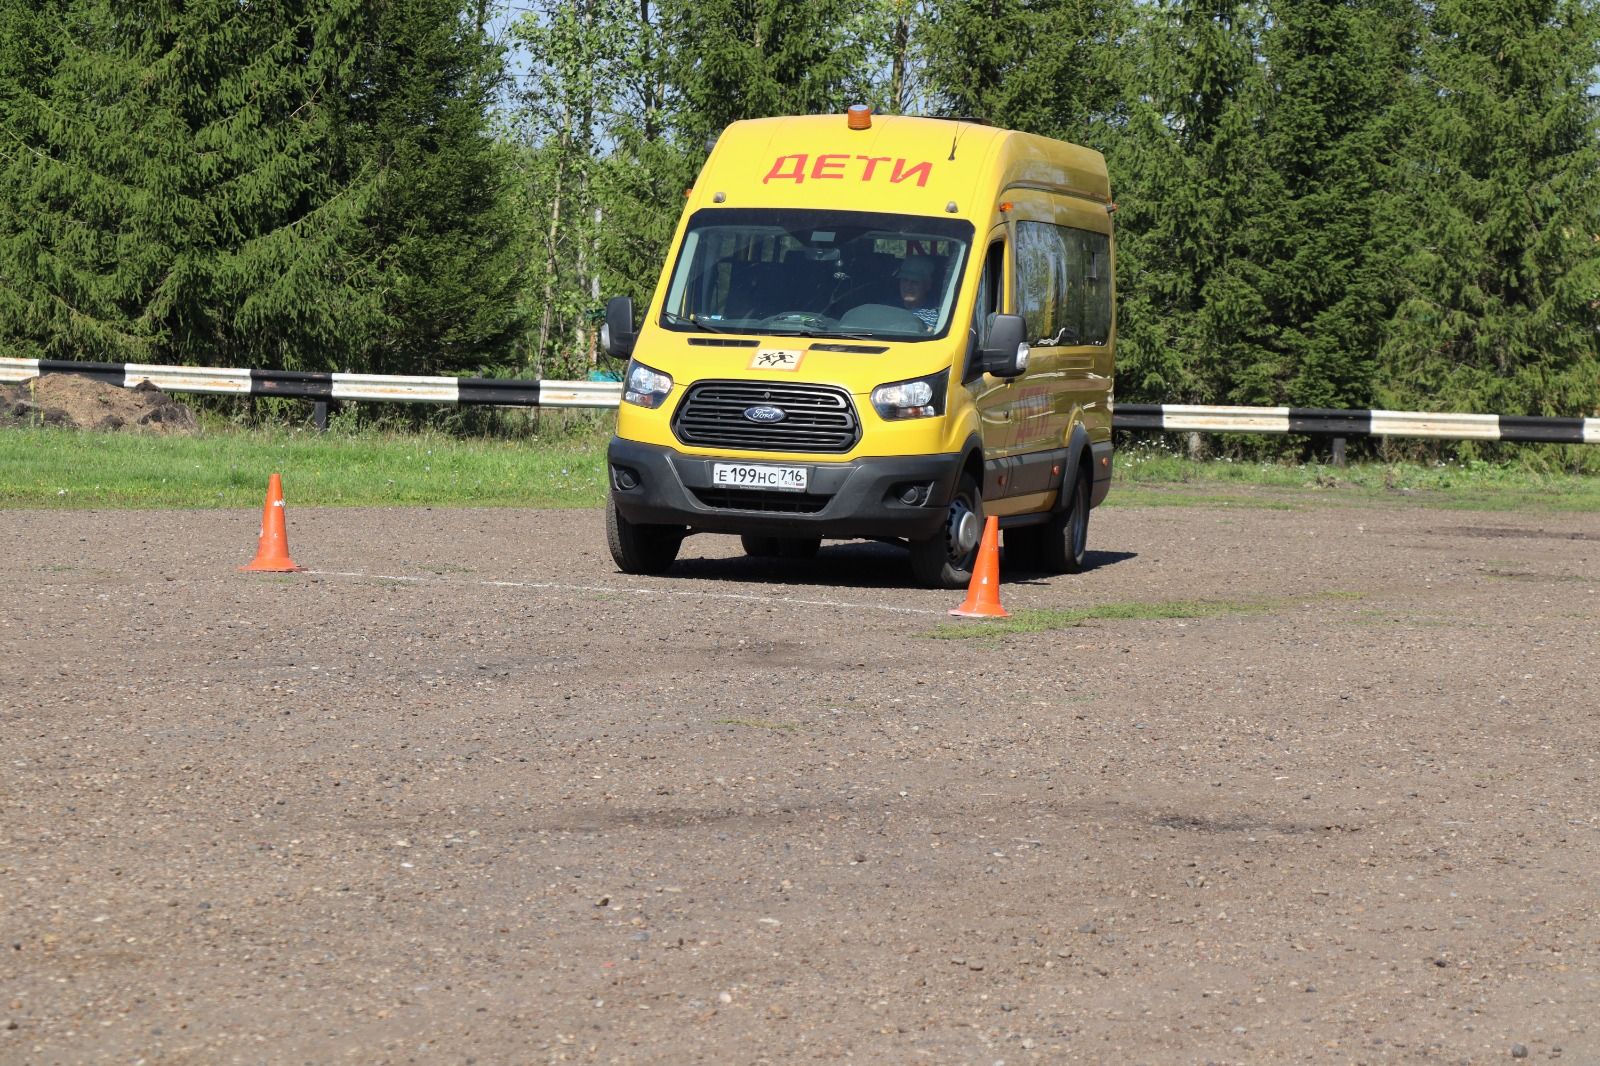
{"type": "Point", "coordinates": [78, 402]}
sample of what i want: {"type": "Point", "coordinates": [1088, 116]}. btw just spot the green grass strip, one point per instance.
{"type": "Point", "coordinates": [72, 469]}
{"type": "Point", "coordinates": [228, 467]}
{"type": "Point", "coordinates": [1150, 477]}
{"type": "Point", "coordinates": [1048, 619]}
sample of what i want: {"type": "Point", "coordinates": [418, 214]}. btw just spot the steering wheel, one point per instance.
{"type": "Point", "coordinates": [887, 317]}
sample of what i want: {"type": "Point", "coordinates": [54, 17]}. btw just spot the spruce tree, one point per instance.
{"type": "Point", "coordinates": [304, 186]}
{"type": "Point", "coordinates": [735, 59]}
{"type": "Point", "coordinates": [1501, 276]}
{"type": "Point", "coordinates": [1051, 67]}
{"type": "Point", "coordinates": [441, 236]}
{"type": "Point", "coordinates": [263, 262]}
{"type": "Point", "coordinates": [172, 198]}
{"type": "Point", "coordinates": [79, 246]}
{"type": "Point", "coordinates": [1336, 70]}
{"type": "Point", "coordinates": [1191, 183]}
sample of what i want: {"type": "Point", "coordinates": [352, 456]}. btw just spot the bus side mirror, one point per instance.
{"type": "Point", "coordinates": [617, 335]}
{"type": "Point", "coordinates": [1005, 355]}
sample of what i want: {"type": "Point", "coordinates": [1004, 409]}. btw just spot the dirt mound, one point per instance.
{"type": "Point", "coordinates": [78, 402]}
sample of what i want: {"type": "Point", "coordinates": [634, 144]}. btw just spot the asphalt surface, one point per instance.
{"type": "Point", "coordinates": [465, 793]}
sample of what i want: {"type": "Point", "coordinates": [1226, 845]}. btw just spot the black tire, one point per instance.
{"type": "Point", "coordinates": [940, 562]}
{"type": "Point", "coordinates": [798, 547]}
{"type": "Point", "coordinates": [637, 548]}
{"type": "Point", "coordinates": [758, 547]}
{"type": "Point", "coordinates": [1066, 539]}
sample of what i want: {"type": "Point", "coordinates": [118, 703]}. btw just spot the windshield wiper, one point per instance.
{"type": "Point", "coordinates": [696, 321]}
{"type": "Point", "coordinates": [823, 334]}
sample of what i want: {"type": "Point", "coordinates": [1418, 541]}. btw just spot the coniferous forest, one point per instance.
{"type": "Point", "coordinates": [1360, 203]}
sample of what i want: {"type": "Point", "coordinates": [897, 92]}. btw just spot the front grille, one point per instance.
{"type": "Point", "coordinates": [759, 500]}
{"type": "Point", "coordinates": [818, 418]}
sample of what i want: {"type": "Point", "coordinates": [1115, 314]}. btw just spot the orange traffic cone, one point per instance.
{"type": "Point", "coordinates": [272, 554]}
{"type": "Point", "coordinates": [983, 592]}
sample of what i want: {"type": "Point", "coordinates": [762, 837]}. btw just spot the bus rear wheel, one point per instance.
{"type": "Point", "coordinates": [1066, 537]}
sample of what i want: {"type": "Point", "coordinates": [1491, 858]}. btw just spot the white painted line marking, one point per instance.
{"type": "Point", "coordinates": [553, 586]}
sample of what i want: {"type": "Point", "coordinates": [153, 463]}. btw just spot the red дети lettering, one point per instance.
{"type": "Point", "coordinates": [872, 164]}
{"type": "Point", "coordinates": [922, 170]}
{"type": "Point", "coordinates": [797, 174]}
{"type": "Point", "coordinates": [829, 166]}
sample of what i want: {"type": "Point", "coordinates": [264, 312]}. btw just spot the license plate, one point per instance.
{"type": "Point", "coordinates": [757, 476]}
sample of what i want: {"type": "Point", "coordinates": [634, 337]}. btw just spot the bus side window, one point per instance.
{"type": "Point", "coordinates": [988, 303]}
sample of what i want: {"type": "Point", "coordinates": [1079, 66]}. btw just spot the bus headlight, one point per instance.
{"type": "Point", "coordinates": [644, 386]}
{"type": "Point", "coordinates": [917, 398]}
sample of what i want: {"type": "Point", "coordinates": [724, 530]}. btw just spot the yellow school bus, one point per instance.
{"type": "Point", "coordinates": [873, 327]}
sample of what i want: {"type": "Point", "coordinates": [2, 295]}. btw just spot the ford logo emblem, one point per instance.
{"type": "Point", "coordinates": [765, 414]}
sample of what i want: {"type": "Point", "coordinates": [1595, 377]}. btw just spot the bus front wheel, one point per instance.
{"type": "Point", "coordinates": [945, 560]}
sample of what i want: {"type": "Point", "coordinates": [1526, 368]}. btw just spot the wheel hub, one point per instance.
{"type": "Point", "coordinates": [965, 529]}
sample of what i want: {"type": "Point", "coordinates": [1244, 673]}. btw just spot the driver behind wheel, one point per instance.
{"type": "Point", "coordinates": [916, 289]}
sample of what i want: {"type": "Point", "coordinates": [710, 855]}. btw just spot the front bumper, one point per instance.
{"type": "Point", "coordinates": [860, 498]}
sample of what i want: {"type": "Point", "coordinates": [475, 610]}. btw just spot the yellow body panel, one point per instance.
{"type": "Point", "coordinates": [937, 168]}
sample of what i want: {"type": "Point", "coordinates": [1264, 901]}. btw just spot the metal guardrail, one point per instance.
{"type": "Point", "coordinates": [314, 385]}
{"type": "Point", "coordinates": [1317, 422]}
{"type": "Point", "coordinates": [1169, 418]}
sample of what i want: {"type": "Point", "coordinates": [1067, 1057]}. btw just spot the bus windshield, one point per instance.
{"type": "Point", "coordinates": [817, 274]}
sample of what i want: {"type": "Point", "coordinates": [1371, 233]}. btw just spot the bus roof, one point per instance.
{"type": "Point", "coordinates": [900, 164]}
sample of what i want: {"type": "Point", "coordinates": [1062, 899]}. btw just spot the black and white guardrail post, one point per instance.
{"type": "Point", "coordinates": [1169, 418]}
